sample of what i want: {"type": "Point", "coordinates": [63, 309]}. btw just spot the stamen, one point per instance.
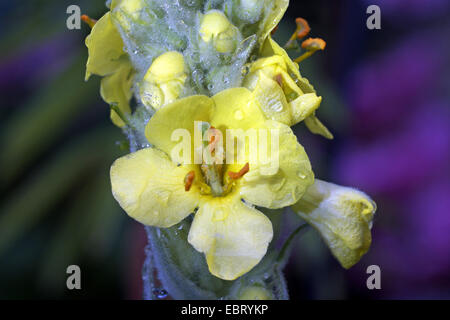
{"type": "Point", "coordinates": [314, 44]}
{"type": "Point", "coordinates": [302, 28]}
{"type": "Point", "coordinates": [301, 31]}
{"type": "Point", "coordinates": [311, 45]}
{"type": "Point", "coordinates": [89, 21]}
{"type": "Point", "coordinates": [237, 175]}
{"type": "Point", "coordinates": [212, 140]}
{"type": "Point", "coordinates": [188, 180]}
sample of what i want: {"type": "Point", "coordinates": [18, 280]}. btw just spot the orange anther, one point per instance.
{"type": "Point", "coordinates": [212, 140]}
{"type": "Point", "coordinates": [188, 180]}
{"type": "Point", "coordinates": [237, 175]}
{"type": "Point", "coordinates": [302, 28]}
{"type": "Point", "coordinates": [313, 44]}
{"type": "Point", "coordinates": [89, 21]}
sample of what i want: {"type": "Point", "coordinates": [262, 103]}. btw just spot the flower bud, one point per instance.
{"type": "Point", "coordinates": [250, 10]}
{"type": "Point", "coordinates": [216, 27]}
{"type": "Point", "coordinates": [255, 293]}
{"type": "Point", "coordinates": [164, 81]}
{"type": "Point", "coordinates": [126, 11]}
{"type": "Point", "coordinates": [343, 216]}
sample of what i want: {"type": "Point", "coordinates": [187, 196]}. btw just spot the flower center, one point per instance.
{"type": "Point", "coordinates": [212, 180]}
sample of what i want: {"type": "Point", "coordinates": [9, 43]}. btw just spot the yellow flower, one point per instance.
{"type": "Point", "coordinates": [278, 94]}
{"type": "Point", "coordinates": [276, 81]}
{"type": "Point", "coordinates": [164, 81]}
{"type": "Point", "coordinates": [233, 235]}
{"type": "Point", "coordinates": [107, 59]}
{"type": "Point", "coordinates": [216, 27]}
{"type": "Point", "coordinates": [342, 215]}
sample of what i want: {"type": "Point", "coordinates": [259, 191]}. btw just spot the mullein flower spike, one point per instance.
{"type": "Point", "coordinates": [183, 62]}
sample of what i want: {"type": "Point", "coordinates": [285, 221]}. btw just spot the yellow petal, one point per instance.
{"type": "Point", "coordinates": [233, 236]}
{"type": "Point", "coordinates": [150, 188]}
{"type": "Point", "coordinates": [216, 27]}
{"type": "Point", "coordinates": [164, 80]}
{"type": "Point", "coordinates": [342, 215]}
{"type": "Point", "coordinates": [180, 114]}
{"type": "Point", "coordinates": [158, 95]}
{"type": "Point", "coordinates": [277, 185]}
{"type": "Point", "coordinates": [270, 48]}
{"type": "Point", "coordinates": [236, 109]}
{"type": "Point", "coordinates": [116, 88]}
{"type": "Point", "coordinates": [271, 100]}
{"type": "Point", "coordinates": [304, 106]}
{"type": "Point", "coordinates": [316, 126]}
{"type": "Point", "coordinates": [105, 47]}
{"type": "Point", "coordinates": [168, 66]}
{"type": "Point", "coordinates": [273, 18]}
{"type": "Point", "coordinates": [273, 67]}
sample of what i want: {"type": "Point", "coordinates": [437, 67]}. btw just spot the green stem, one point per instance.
{"type": "Point", "coordinates": [288, 243]}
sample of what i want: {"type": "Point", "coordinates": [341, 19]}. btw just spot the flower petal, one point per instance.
{"type": "Point", "coordinates": [316, 126]}
{"type": "Point", "coordinates": [236, 109]}
{"type": "Point", "coordinates": [273, 18]}
{"type": "Point", "coordinates": [342, 215]}
{"type": "Point", "coordinates": [271, 100]}
{"type": "Point", "coordinates": [180, 114]}
{"type": "Point", "coordinates": [304, 106]}
{"type": "Point", "coordinates": [105, 47]}
{"type": "Point", "coordinates": [150, 188]}
{"type": "Point", "coordinates": [233, 236]}
{"type": "Point", "coordinates": [282, 181]}
{"type": "Point", "coordinates": [270, 48]}
{"type": "Point", "coordinates": [116, 88]}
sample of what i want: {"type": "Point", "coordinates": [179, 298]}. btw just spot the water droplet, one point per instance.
{"type": "Point", "coordinates": [301, 175]}
{"type": "Point", "coordinates": [239, 115]}
{"type": "Point", "coordinates": [149, 99]}
{"type": "Point", "coordinates": [276, 105]}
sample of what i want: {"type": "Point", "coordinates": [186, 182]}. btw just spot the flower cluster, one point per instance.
{"type": "Point", "coordinates": [205, 67]}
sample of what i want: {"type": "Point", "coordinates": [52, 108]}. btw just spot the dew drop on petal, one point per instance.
{"type": "Point", "coordinates": [238, 115]}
